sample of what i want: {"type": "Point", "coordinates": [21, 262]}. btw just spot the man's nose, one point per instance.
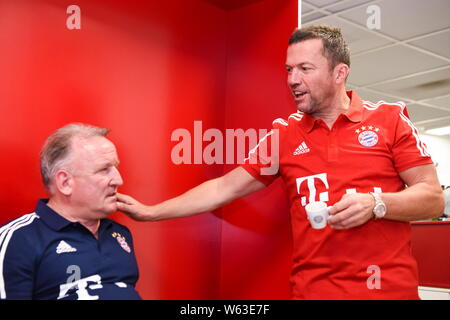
{"type": "Point", "coordinates": [294, 78]}
{"type": "Point", "coordinates": [116, 177]}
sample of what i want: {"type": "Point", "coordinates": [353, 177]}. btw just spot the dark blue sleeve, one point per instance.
{"type": "Point", "coordinates": [129, 236]}
{"type": "Point", "coordinates": [17, 257]}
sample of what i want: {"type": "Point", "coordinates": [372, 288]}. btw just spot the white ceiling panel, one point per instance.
{"type": "Point", "coordinates": [423, 86]}
{"type": "Point", "coordinates": [443, 102]}
{"type": "Point", "coordinates": [306, 8]}
{"type": "Point", "coordinates": [343, 5]}
{"type": "Point", "coordinates": [312, 17]}
{"type": "Point", "coordinates": [404, 19]}
{"type": "Point", "coordinates": [438, 43]}
{"type": "Point", "coordinates": [372, 96]}
{"type": "Point", "coordinates": [391, 62]}
{"type": "Point", "coordinates": [321, 3]}
{"type": "Point", "coordinates": [419, 112]}
{"type": "Point", "coordinates": [358, 40]}
{"type": "Point", "coordinates": [430, 124]}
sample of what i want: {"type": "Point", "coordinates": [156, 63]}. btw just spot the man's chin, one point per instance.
{"type": "Point", "coordinates": [109, 209]}
{"type": "Point", "coordinates": [113, 208]}
{"type": "Point", "coordinates": [303, 108]}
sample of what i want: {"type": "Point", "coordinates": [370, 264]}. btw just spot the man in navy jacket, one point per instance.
{"type": "Point", "coordinates": [67, 248]}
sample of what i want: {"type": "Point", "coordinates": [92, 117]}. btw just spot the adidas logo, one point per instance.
{"type": "Point", "coordinates": [302, 148]}
{"type": "Point", "coordinates": [64, 247]}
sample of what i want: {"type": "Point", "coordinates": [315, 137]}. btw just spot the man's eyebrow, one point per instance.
{"type": "Point", "coordinates": [109, 163]}
{"type": "Point", "coordinates": [299, 64]}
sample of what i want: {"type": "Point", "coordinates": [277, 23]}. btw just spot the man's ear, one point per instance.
{"type": "Point", "coordinates": [341, 73]}
{"type": "Point", "coordinates": [64, 182]}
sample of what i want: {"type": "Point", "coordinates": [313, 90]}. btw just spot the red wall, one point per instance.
{"type": "Point", "coordinates": [256, 234]}
{"type": "Point", "coordinates": [144, 69]}
{"type": "Point", "coordinates": [429, 247]}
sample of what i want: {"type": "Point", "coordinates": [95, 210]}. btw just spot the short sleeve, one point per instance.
{"type": "Point", "coordinates": [263, 160]}
{"type": "Point", "coordinates": [17, 260]}
{"type": "Point", "coordinates": [408, 150]}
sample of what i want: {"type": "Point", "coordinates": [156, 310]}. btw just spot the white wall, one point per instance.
{"type": "Point", "coordinates": [439, 148]}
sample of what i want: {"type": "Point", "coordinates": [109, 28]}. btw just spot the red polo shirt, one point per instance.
{"type": "Point", "coordinates": [364, 151]}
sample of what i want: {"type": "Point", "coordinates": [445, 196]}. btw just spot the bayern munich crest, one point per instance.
{"type": "Point", "coordinates": [368, 136]}
{"type": "Point", "coordinates": [122, 241]}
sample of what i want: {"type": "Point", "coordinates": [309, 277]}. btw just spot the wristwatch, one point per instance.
{"type": "Point", "coordinates": [379, 210]}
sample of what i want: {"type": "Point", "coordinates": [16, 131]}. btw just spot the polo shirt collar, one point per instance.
{"type": "Point", "coordinates": [50, 216]}
{"type": "Point", "coordinates": [54, 220]}
{"type": "Point", "coordinates": [354, 112]}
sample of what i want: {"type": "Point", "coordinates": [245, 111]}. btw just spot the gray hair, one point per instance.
{"type": "Point", "coordinates": [55, 152]}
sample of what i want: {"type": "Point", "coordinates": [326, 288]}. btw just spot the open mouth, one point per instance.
{"type": "Point", "coordinates": [299, 94]}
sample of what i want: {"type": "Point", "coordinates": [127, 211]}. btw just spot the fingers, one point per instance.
{"type": "Point", "coordinates": [133, 208]}
{"type": "Point", "coordinates": [338, 212]}
{"type": "Point", "coordinates": [351, 211]}
{"type": "Point", "coordinates": [124, 199]}
{"type": "Point", "coordinates": [122, 206]}
{"type": "Point", "coordinates": [346, 219]}
{"type": "Point", "coordinates": [124, 203]}
{"type": "Point", "coordinates": [342, 218]}
{"type": "Point", "coordinates": [341, 205]}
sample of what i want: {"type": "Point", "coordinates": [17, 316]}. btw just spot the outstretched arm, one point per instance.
{"type": "Point", "coordinates": [206, 197]}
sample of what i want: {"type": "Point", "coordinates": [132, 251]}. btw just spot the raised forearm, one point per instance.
{"type": "Point", "coordinates": [418, 202]}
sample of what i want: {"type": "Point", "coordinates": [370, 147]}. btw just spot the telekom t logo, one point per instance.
{"type": "Point", "coordinates": [323, 196]}
{"type": "Point", "coordinates": [320, 179]}
{"type": "Point", "coordinates": [81, 285]}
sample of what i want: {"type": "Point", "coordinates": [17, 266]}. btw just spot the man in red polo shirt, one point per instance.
{"type": "Point", "coordinates": [354, 155]}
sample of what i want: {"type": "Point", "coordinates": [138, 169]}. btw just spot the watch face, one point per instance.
{"type": "Point", "coordinates": [380, 210]}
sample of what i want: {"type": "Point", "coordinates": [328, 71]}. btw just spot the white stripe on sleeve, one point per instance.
{"type": "Point", "coordinates": [5, 236]}
{"type": "Point", "coordinates": [419, 144]}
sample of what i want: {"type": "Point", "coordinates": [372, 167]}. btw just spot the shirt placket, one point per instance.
{"type": "Point", "coordinates": [333, 149]}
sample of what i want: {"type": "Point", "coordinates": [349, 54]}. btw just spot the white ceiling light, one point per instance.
{"type": "Point", "coordinates": [442, 131]}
